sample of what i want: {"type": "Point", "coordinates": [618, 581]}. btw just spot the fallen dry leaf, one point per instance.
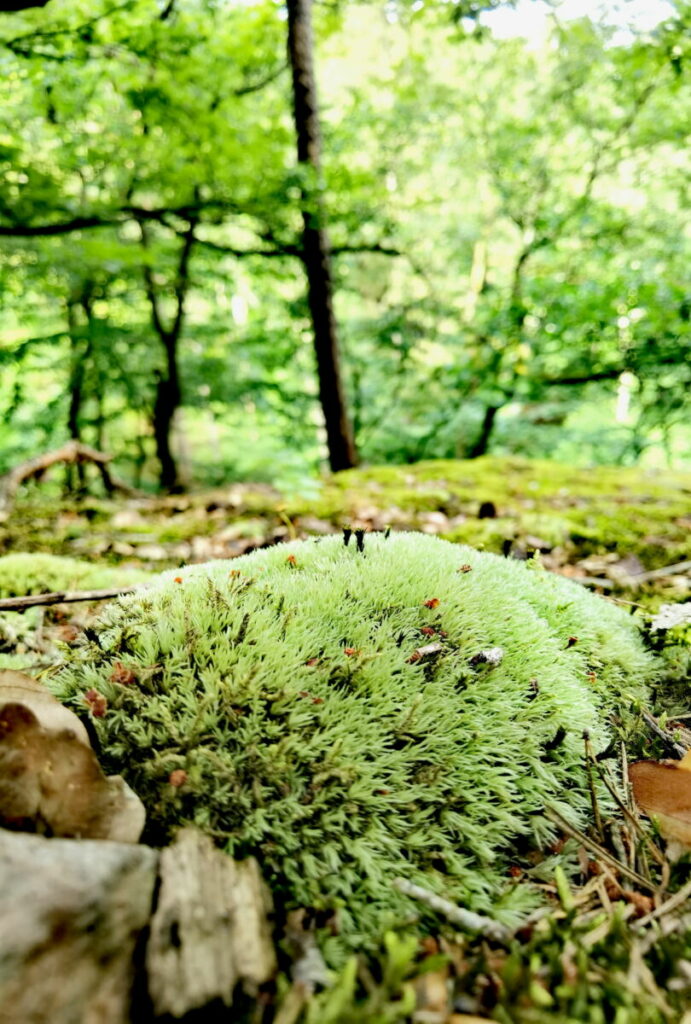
{"type": "Point", "coordinates": [18, 688]}
{"type": "Point", "coordinates": [662, 790]}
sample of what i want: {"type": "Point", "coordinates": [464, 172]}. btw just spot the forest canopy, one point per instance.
{"type": "Point", "coordinates": [508, 236]}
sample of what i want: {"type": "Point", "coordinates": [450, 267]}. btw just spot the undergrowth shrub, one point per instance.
{"type": "Point", "coordinates": [284, 702]}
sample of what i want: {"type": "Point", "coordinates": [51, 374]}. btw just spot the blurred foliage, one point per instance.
{"type": "Point", "coordinates": [507, 217]}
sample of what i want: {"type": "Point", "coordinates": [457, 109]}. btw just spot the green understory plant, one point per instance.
{"type": "Point", "coordinates": [350, 714]}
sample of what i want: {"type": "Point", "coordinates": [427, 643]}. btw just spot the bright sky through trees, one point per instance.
{"type": "Point", "coordinates": [530, 18]}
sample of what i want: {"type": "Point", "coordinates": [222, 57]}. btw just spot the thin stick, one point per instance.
{"type": "Point", "coordinates": [635, 823]}
{"type": "Point", "coordinates": [657, 574]}
{"type": "Point", "coordinates": [595, 848]}
{"type": "Point", "coordinates": [663, 734]}
{"type": "Point", "coordinates": [18, 604]}
{"type": "Point", "coordinates": [589, 758]}
{"type": "Point", "coordinates": [667, 907]}
{"type": "Point", "coordinates": [456, 915]}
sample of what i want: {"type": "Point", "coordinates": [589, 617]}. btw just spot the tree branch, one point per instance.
{"type": "Point", "coordinates": [118, 217]}
{"type": "Point", "coordinates": [585, 378]}
{"type": "Point", "coordinates": [21, 5]}
{"type": "Point", "coordinates": [270, 77]}
{"type": "Point", "coordinates": [182, 278]}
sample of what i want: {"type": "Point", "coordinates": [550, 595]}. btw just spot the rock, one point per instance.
{"type": "Point", "coordinates": [71, 913]}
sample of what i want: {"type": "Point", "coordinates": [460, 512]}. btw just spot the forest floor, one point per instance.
{"type": "Point", "coordinates": [615, 947]}
{"type": "Point", "coordinates": [610, 528]}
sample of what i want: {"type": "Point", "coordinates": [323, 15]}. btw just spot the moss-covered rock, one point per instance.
{"type": "Point", "coordinates": [285, 703]}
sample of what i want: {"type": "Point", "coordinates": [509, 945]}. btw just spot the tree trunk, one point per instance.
{"type": "Point", "coordinates": [482, 442]}
{"type": "Point", "coordinates": [316, 255]}
{"type": "Point", "coordinates": [165, 406]}
{"type": "Point", "coordinates": [80, 353]}
{"type": "Point", "coordinates": [168, 393]}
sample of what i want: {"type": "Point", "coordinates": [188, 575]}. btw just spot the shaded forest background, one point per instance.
{"type": "Point", "coordinates": [508, 226]}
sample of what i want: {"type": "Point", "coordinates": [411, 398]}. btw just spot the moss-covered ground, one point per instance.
{"type": "Point", "coordinates": [597, 956]}
{"type": "Point", "coordinates": [489, 503]}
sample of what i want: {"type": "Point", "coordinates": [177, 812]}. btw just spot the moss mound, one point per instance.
{"type": "Point", "coordinates": [28, 573]}
{"type": "Point", "coordinates": [284, 703]}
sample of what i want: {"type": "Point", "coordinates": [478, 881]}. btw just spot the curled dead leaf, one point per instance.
{"type": "Point", "coordinates": [662, 790]}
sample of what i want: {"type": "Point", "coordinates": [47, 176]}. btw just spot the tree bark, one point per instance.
{"type": "Point", "coordinates": [316, 254]}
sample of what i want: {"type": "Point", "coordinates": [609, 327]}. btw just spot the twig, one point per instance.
{"type": "Point", "coordinates": [666, 927]}
{"type": "Point", "coordinates": [678, 749]}
{"type": "Point", "coordinates": [666, 570]}
{"type": "Point", "coordinates": [425, 652]}
{"type": "Point", "coordinates": [635, 823]}
{"type": "Point", "coordinates": [589, 758]}
{"type": "Point", "coordinates": [63, 597]}
{"type": "Point", "coordinates": [593, 581]}
{"type": "Point", "coordinates": [667, 907]}
{"type": "Point", "coordinates": [598, 850]}
{"type": "Point", "coordinates": [466, 919]}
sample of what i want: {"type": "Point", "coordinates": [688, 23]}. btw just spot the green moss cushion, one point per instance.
{"type": "Point", "coordinates": [35, 573]}
{"type": "Point", "coordinates": [283, 702]}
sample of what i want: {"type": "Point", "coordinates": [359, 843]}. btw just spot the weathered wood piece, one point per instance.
{"type": "Point", "coordinates": [210, 931]}
{"type": "Point", "coordinates": [70, 916]}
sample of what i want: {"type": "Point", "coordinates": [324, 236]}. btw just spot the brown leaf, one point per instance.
{"type": "Point", "coordinates": [663, 790]}
{"type": "Point", "coordinates": [18, 688]}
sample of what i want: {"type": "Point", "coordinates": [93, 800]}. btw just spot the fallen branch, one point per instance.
{"type": "Point", "coordinates": [666, 737]}
{"type": "Point", "coordinates": [18, 604]}
{"type": "Point", "coordinates": [72, 453]}
{"type": "Point", "coordinates": [466, 919]}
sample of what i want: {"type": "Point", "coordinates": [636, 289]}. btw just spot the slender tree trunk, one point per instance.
{"type": "Point", "coordinates": [482, 442]}
{"type": "Point", "coordinates": [168, 392]}
{"type": "Point", "coordinates": [316, 255]}
{"type": "Point", "coordinates": [165, 406]}
{"type": "Point", "coordinates": [79, 355]}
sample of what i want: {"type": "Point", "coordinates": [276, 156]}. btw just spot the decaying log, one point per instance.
{"type": "Point", "coordinates": [70, 454]}
{"type": "Point", "coordinates": [210, 930]}
{"type": "Point", "coordinates": [71, 912]}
